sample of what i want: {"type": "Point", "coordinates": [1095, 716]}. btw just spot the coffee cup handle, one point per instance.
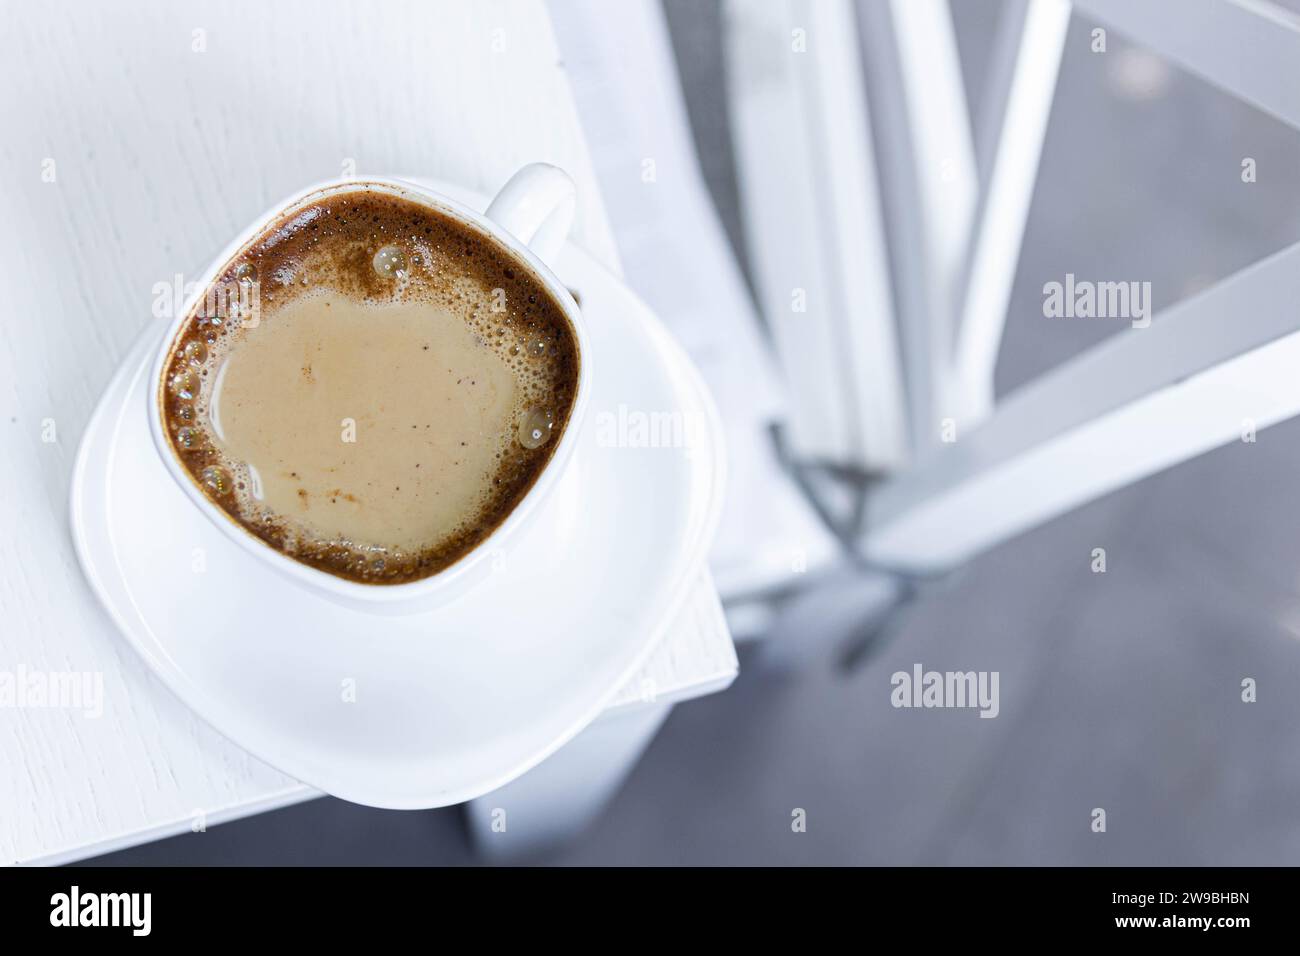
{"type": "Point", "coordinates": [536, 207]}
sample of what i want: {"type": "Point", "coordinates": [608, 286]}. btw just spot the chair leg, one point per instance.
{"type": "Point", "coordinates": [828, 614]}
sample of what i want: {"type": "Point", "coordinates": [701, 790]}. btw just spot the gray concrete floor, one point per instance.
{"type": "Point", "coordinates": [1118, 690]}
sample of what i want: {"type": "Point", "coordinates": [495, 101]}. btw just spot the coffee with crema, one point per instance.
{"type": "Point", "coordinates": [375, 388]}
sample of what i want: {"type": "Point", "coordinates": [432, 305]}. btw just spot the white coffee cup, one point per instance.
{"type": "Point", "coordinates": [530, 216]}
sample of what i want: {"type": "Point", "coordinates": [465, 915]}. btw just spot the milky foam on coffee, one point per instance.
{"type": "Point", "coordinates": [376, 389]}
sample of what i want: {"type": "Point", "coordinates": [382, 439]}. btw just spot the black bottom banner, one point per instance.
{"type": "Point", "coordinates": [334, 905]}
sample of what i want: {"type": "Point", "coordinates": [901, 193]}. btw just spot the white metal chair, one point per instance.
{"type": "Point", "coordinates": [885, 236]}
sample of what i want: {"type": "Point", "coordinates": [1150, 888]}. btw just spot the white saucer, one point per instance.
{"type": "Point", "coordinates": [452, 703]}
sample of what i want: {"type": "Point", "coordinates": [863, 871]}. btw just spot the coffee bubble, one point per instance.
{"type": "Point", "coordinates": [216, 479]}
{"type": "Point", "coordinates": [185, 384]}
{"type": "Point", "coordinates": [196, 353]}
{"type": "Point", "coordinates": [534, 428]}
{"type": "Point", "coordinates": [390, 262]}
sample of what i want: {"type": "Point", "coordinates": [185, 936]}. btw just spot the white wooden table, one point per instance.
{"type": "Point", "coordinates": [138, 139]}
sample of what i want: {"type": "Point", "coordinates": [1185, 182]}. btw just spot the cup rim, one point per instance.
{"type": "Point", "coordinates": [458, 573]}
